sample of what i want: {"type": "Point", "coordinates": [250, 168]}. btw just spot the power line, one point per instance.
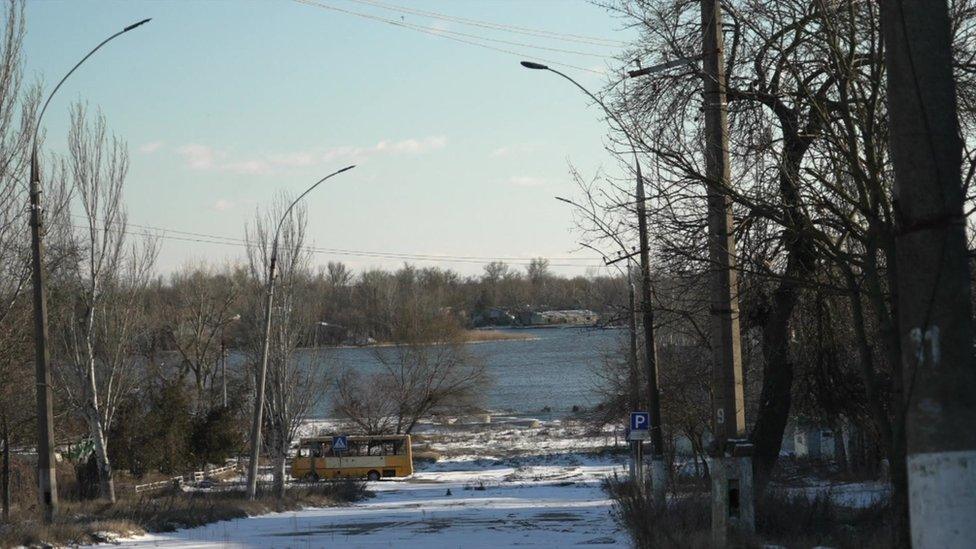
{"type": "Point", "coordinates": [479, 37]}
{"type": "Point", "coordinates": [204, 238]}
{"type": "Point", "coordinates": [448, 35]}
{"type": "Point", "coordinates": [538, 33]}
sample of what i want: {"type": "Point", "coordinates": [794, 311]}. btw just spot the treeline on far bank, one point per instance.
{"type": "Point", "coordinates": [356, 307]}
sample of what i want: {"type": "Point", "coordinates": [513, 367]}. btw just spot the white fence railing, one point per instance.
{"type": "Point", "coordinates": [195, 476]}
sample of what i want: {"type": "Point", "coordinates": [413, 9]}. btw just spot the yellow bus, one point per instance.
{"type": "Point", "coordinates": [371, 457]}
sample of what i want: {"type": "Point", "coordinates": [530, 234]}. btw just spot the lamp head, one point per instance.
{"type": "Point", "coordinates": [536, 66]}
{"type": "Point", "coordinates": [134, 25]}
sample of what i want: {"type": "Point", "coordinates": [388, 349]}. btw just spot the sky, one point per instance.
{"type": "Point", "coordinates": [459, 151]}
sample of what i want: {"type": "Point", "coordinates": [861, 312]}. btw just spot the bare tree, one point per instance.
{"type": "Point", "coordinates": [201, 305]}
{"type": "Point", "coordinates": [99, 314]}
{"type": "Point", "coordinates": [428, 371]}
{"type": "Point", "coordinates": [811, 185]}
{"type": "Point", "coordinates": [296, 381]}
{"type": "Point", "coordinates": [17, 113]}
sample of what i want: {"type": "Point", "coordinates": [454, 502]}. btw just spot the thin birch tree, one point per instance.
{"type": "Point", "coordinates": [100, 302]}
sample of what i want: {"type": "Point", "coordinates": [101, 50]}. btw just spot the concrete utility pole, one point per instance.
{"type": "Point", "coordinates": [46, 477]}
{"type": "Point", "coordinates": [658, 473]}
{"type": "Point", "coordinates": [262, 374]}
{"type": "Point", "coordinates": [732, 498]}
{"type": "Point", "coordinates": [934, 292]}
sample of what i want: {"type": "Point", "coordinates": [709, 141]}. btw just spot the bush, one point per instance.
{"type": "Point", "coordinates": [683, 522]}
{"type": "Point", "coordinates": [794, 521]}
{"type": "Point", "coordinates": [153, 433]}
{"type": "Point", "coordinates": [819, 521]}
{"type": "Point", "coordinates": [163, 433]}
{"type": "Point", "coordinates": [215, 436]}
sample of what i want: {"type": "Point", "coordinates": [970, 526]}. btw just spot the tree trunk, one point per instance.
{"type": "Point", "coordinates": [5, 487]}
{"type": "Point", "coordinates": [840, 444]}
{"type": "Point", "coordinates": [279, 475]}
{"type": "Point", "coordinates": [776, 397]}
{"type": "Point", "coordinates": [106, 484]}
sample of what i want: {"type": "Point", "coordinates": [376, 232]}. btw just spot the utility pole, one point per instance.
{"type": "Point", "coordinates": [262, 375]}
{"type": "Point", "coordinates": [732, 498]}
{"type": "Point", "coordinates": [658, 473]}
{"type": "Point", "coordinates": [636, 448]}
{"type": "Point", "coordinates": [934, 293]}
{"type": "Point", "coordinates": [46, 476]}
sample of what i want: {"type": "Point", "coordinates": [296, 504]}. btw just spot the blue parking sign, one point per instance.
{"type": "Point", "coordinates": [640, 421]}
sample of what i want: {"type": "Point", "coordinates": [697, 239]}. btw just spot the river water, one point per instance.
{"type": "Point", "coordinates": [544, 376]}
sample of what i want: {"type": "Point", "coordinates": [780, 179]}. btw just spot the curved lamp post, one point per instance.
{"type": "Point", "coordinates": [650, 358]}
{"type": "Point", "coordinates": [252, 466]}
{"type": "Point", "coordinates": [47, 482]}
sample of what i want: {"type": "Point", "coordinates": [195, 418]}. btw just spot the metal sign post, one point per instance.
{"type": "Point", "coordinates": [637, 432]}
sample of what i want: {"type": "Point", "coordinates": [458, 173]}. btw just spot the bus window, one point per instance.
{"type": "Point", "coordinates": [355, 448]}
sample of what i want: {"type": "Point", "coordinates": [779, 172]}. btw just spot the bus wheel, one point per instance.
{"type": "Point", "coordinates": [311, 477]}
{"type": "Point", "coordinates": [373, 475]}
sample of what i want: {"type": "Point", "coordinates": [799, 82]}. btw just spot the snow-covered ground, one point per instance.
{"type": "Point", "coordinates": [508, 482]}
{"type": "Point", "coordinates": [499, 483]}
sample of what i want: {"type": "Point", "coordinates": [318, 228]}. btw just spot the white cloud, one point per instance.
{"type": "Point", "coordinates": [151, 147]}
{"type": "Point", "coordinates": [247, 167]}
{"type": "Point", "coordinates": [295, 159]}
{"type": "Point", "coordinates": [412, 146]}
{"type": "Point", "coordinates": [223, 205]}
{"type": "Point", "coordinates": [526, 181]}
{"type": "Point", "coordinates": [203, 157]}
{"type": "Point", "coordinates": [512, 150]}
{"type": "Point", "coordinates": [198, 157]}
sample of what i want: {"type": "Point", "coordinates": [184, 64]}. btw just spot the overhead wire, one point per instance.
{"type": "Point", "coordinates": [204, 238]}
{"type": "Point", "coordinates": [525, 31]}
{"type": "Point", "coordinates": [448, 35]}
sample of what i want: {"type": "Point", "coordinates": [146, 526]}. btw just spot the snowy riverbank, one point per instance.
{"type": "Point", "coordinates": [509, 482]}
{"type": "Point", "coordinates": [498, 483]}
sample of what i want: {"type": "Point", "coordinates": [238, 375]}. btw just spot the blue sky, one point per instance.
{"type": "Point", "coordinates": [224, 104]}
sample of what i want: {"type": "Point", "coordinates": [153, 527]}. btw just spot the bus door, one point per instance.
{"type": "Point", "coordinates": [322, 460]}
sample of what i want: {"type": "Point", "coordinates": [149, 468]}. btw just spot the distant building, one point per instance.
{"type": "Point", "coordinates": [808, 440]}
{"type": "Point", "coordinates": [576, 317]}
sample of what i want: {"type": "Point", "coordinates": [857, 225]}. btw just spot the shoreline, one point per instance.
{"type": "Point", "coordinates": [470, 338]}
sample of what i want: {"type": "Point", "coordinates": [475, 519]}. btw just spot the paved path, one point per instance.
{"type": "Point", "coordinates": [552, 506]}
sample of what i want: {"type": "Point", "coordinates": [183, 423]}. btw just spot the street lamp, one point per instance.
{"type": "Point", "coordinates": [46, 477]}
{"type": "Point", "coordinates": [650, 358]}
{"type": "Point", "coordinates": [252, 466]}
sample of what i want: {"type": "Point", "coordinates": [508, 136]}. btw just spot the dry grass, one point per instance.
{"type": "Point", "coordinates": [92, 521]}
{"type": "Point", "coordinates": [792, 522]}
{"type": "Point", "coordinates": [682, 523]}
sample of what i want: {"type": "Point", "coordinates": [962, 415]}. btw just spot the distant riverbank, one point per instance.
{"type": "Point", "coordinates": [472, 336]}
